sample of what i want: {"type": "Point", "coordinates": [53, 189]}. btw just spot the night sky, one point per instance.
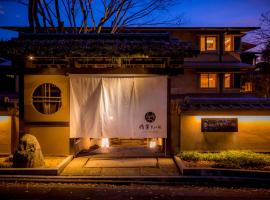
{"type": "Point", "coordinates": [195, 12]}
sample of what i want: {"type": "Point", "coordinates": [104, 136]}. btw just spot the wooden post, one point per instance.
{"type": "Point", "coordinates": [21, 96]}
{"type": "Point", "coordinates": [168, 140]}
{"type": "Point", "coordinates": [221, 46]}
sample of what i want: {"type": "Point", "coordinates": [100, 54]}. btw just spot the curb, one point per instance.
{"type": "Point", "coordinates": [155, 180]}
{"type": "Point", "coordinates": [37, 171]}
{"type": "Point", "coordinates": [193, 171]}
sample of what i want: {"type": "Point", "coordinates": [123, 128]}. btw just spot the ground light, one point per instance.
{"type": "Point", "coordinates": [105, 143]}
{"type": "Point", "coordinates": [152, 143]}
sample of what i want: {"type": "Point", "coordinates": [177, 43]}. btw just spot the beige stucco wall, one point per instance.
{"type": "Point", "coordinates": [31, 83]}
{"type": "Point", "coordinates": [53, 140]}
{"type": "Point", "coordinates": [253, 134]}
{"type": "Point", "coordinates": [5, 134]}
{"type": "Point", "coordinates": [52, 136]}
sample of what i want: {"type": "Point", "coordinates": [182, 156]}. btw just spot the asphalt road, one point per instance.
{"type": "Point", "coordinates": [59, 191]}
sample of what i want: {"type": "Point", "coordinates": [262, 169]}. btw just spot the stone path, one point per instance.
{"type": "Point", "coordinates": [121, 162]}
{"type": "Point", "coordinates": [122, 152]}
{"type": "Point", "coordinates": [78, 167]}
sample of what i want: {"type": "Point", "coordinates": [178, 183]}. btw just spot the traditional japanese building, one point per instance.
{"type": "Point", "coordinates": [178, 88]}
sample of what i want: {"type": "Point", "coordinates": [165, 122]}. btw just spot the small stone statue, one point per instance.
{"type": "Point", "coordinates": [28, 153]}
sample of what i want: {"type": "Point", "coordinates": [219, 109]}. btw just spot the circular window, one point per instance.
{"type": "Point", "coordinates": [47, 98]}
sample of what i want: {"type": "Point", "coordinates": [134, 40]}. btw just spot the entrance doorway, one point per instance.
{"type": "Point", "coordinates": [119, 111]}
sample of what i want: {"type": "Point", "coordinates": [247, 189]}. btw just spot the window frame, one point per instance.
{"type": "Point", "coordinates": [44, 99]}
{"type": "Point", "coordinates": [205, 43]}
{"type": "Point", "coordinates": [231, 81]}
{"type": "Point", "coordinates": [208, 88]}
{"type": "Point", "coordinates": [232, 45]}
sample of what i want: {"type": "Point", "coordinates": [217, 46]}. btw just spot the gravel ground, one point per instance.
{"type": "Point", "coordinates": [128, 192]}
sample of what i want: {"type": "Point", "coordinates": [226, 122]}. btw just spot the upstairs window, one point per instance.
{"type": "Point", "coordinates": [232, 80]}
{"type": "Point", "coordinates": [208, 43]}
{"type": "Point", "coordinates": [208, 80]}
{"type": "Point", "coordinates": [228, 43]}
{"type": "Point", "coordinates": [247, 87]}
{"type": "Point", "coordinates": [228, 81]}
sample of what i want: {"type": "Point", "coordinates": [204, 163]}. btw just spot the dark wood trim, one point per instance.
{"type": "Point", "coordinates": [231, 112]}
{"type": "Point", "coordinates": [216, 70]}
{"type": "Point", "coordinates": [221, 46]}
{"type": "Point", "coordinates": [48, 124]}
{"type": "Point", "coordinates": [21, 97]}
{"type": "Point", "coordinates": [55, 71]}
{"type": "Point", "coordinates": [221, 79]}
{"type": "Point", "coordinates": [9, 70]}
{"type": "Point", "coordinates": [169, 147]}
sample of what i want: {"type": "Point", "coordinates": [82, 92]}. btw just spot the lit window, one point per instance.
{"type": "Point", "coordinates": [248, 87]}
{"type": "Point", "coordinates": [228, 80]}
{"type": "Point", "coordinates": [208, 80]}
{"type": "Point", "coordinates": [211, 43]}
{"type": "Point", "coordinates": [47, 98]}
{"type": "Point", "coordinates": [208, 43]}
{"type": "Point", "coordinates": [228, 43]}
{"type": "Point", "coordinates": [202, 42]}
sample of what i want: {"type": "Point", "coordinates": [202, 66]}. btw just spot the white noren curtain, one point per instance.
{"type": "Point", "coordinates": [118, 107]}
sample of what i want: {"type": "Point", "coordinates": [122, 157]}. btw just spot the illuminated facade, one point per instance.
{"type": "Point", "coordinates": [210, 105]}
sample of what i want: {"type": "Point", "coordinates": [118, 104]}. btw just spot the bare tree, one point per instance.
{"type": "Point", "coordinates": [261, 79]}
{"type": "Point", "coordinates": [264, 32]}
{"type": "Point", "coordinates": [97, 14]}
{"type": "Point", "coordinates": [261, 76]}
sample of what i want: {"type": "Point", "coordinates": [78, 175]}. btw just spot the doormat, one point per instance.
{"type": "Point", "coordinates": [122, 163]}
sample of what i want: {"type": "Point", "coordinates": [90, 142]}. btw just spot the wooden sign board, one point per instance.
{"type": "Point", "coordinates": [219, 125]}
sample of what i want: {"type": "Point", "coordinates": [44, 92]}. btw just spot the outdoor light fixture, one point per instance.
{"type": "Point", "coordinates": [152, 143]}
{"type": "Point", "coordinates": [30, 57]}
{"type": "Point", "coordinates": [105, 143]}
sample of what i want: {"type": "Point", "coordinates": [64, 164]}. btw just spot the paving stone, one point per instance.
{"type": "Point", "coordinates": [168, 166]}
{"type": "Point", "coordinates": [152, 172]}
{"type": "Point", "coordinates": [122, 162]}
{"type": "Point", "coordinates": [75, 166]}
{"type": "Point", "coordinates": [113, 163]}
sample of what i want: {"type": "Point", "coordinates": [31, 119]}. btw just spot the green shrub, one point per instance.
{"type": "Point", "coordinates": [229, 159]}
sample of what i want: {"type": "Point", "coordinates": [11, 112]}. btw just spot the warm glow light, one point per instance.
{"type": "Point", "coordinates": [105, 143]}
{"type": "Point", "coordinates": [240, 118]}
{"type": "Point", "coordinates": [111, 117]}
{"type": "Point", "coordinates": [152, 144]}
{"type": "Point", "coordinates": [3, 118]}
{"type": "Point", "coordinates": [31, 57]}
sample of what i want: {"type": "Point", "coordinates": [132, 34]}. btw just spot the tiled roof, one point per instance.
{"type": "Point", "coordinates": [218, 104]}
{"type": "Point", "coordinates": [80, 45]}
{"type": "Point", "coordinates": [210, 65]}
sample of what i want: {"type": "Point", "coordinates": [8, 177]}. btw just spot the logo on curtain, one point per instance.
{"type": "Point", "coordinates": [150, 117]}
